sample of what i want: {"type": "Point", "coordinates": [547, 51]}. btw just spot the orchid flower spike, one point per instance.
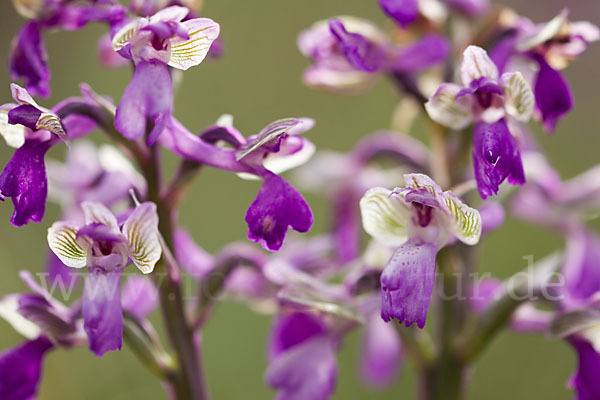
{"type": "Point", "coordinates": [106, 248]}
{"type": "Point", "coordinates": [418, 220]}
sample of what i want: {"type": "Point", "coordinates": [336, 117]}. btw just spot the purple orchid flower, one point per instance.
{"type": "Point", "coordinates": [418, 220]}
{"type": "Point", "coordinates": [46, 324]}
{"type": "Point", "coordinates": [105, 248]}
{"type": "Point", "coordinates": [154, 44]}
{"type": "Point", "coordinates": [35, 130]}
{"type": "Point", "coordinates": [28, 58]}
{"type": "Point", "coordinates": [486, 100]}
{"type": "Point", "coordinates": [302, 358]}
{"type": "Point", "coordinates": [349, 54]}
{"type": "Point", "coordinates": [274, 149]}
{"type": "Point", "coordinates": [551, 47]}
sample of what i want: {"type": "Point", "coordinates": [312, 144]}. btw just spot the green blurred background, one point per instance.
{"type": "Point", "coordinates": [259, 80]}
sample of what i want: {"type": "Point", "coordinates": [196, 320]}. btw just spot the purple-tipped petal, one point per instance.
{"type": "Point", "coordinates": [382, 353]}
{"type": "Point", "coordinates": [360, 52]}
{"type": "Point", "coordinates": [552, 94]}
{"type": "Point", "coordinates": [139, 296]}
{"type": "Point", "coordinates": [403, 12]}
{"type": "Point", "coordinates": [496, 157]}
{"type": "Point", "coordinates": [407, 283]}
{"type": "Point", "coordinates": [431, 49]}
{"type": "Point", "coordinates": [27, 60]}
{"type": "Point", "coordinates": [277, 206]}
{"type": "Point", "coordinates": [585, 381]}
{"type": "Point", "coordinates": [101, 308]}
{"type": "Point", "coordinates": [147, 102]}
{"type": "Point", "coordinates": [26, 115]}
{"type": "Point", "coordinates": [24, 180]}
{"type": "Point", "coordinates": [21, 369]}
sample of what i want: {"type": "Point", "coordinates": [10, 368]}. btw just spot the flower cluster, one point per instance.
{"type": "Point", "coordinates": [473, 77]}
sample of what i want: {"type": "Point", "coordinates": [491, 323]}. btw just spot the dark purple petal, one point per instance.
{"type": "Point", "coordinates": [347, 228]}
{"type": "Point", "coordinates": [306, 371]}
{"type": "Point", "coordinates": [431, 49]}
{"type": "Point", "coordinates": [54, 323]}
{"type": "Point", "coordinates": [101, 309]}
{"type": "Point", "coordinates": [496, 157]}
{"type": "Point", "coordinates": [291, 330]}
{"type": "Point", "coordinates": [553, 96]}
{"type": "Point", "coordinates": [147, 102]}
{"type": "Point", "coordinates": [407, 283]}
{"type": "Point", "coordinates": [581, 272]}
{"type": "Point", "coordinates": [228, 134]}
{"type": "Point", "coordinates": [585, 381]}
{"type": "Point", "coordinates": [382, 353]}
{"type": "Point", "coordinates": [26, 115]}
{"type": "Point", "coordinates": [21, 369]}
{"type": "Point", "coordinates": [27, 60]}
{"type": "Point", "coordinates": [471, 8]}
{"type": "Point", "coordinates": [503, 51]}
{"type": "Point", "coordinates": [74, 17]}
{"type": "Point", "coordinates": [164, 30]}
{"type": "Point", "coordinates": [24, 180]}
{"type": "Point", "coordinates": [277, 206]}
{"type": "Point", "coordinates": [402, 11]}
{"type": "Point", "coordinates": [139, 297]}
{"type": "Point", "coordinates": [360, 52]}
{"type": "Point", "coordinates": [98, 232]}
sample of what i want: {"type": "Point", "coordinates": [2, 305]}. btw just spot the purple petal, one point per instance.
{"type": "Point", "coordinates": [227, 134]}
{"type": "Point", "coordinates": [139, 296]}
{"type": "Point", "coordinates": [407, 283]}
{"type": "Point", "coordinates": [360, 52]}
{"type": "Point", "coordinates": [291, 330]}
{"type": "Point", "coordinates": [27, 60]}
{"type": "Point", "coordinates": [347, 228]}
{"type": "Point", "coordinates": [24, 180]}
{"type": "Point", "coordinates": [147, 98]}
{"type": "Point", "coordinates": [382, 353]}
{"type": "Point", "coordinates": [503, 51]}
{"type": "Point", "coordinates": [581, 272]}
{"type": "Point", "coordinates": [585, 381]}
{"type": "Point", "coordinates": [306, 371]}
{"type": "Point", "coordinates": [101, 308]}
{"type": "Point", "coordinates": [431, 49]}
{"type": "Point", "coordinates": [552, 94]}
{"type": "Point", "coordinates": [277, 206]}
{"type": "Point", "coordinates": [471, 8]}
{"type": "Point", "coordinates": [21, 369]}
{"type": "Point", "coordinates": [496, 157]}
{"type": "Point", "coordinates": [403, 12]}
{"type": "Point", "coordinates": [26, 115]}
